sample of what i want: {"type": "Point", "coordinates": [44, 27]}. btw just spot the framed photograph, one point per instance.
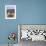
{"type": "Point", "coordinates": [10, 11]}
{"type": "Point", "coordinates": [33, 32]}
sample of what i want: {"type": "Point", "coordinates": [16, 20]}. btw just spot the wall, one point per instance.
{"type": "Point", "coordinates": [27, 12]}
{"type": "Point", "coordinates": [31, 11]}
{"type": "Point", "coordinates": [6, 26]}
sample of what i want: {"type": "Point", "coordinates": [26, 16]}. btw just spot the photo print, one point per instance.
{"type": "Point", "coordinates": [10, 11]}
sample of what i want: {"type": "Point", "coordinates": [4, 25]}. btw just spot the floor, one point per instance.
{"type": "Point", "coordinates": [30, 43]}
{"type": "Point", "coordinates": [7, 45]}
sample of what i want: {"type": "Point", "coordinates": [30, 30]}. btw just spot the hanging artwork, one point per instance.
{"type": "Point", "coordinates": [32, 32]}
{"type": "Point", "coordinates": [10, 11]}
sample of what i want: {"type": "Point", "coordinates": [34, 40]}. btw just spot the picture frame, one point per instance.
{"type": "Point", "coordinates": [36, 32]}
{"type": "Point", "coordinates": [10, 11]}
